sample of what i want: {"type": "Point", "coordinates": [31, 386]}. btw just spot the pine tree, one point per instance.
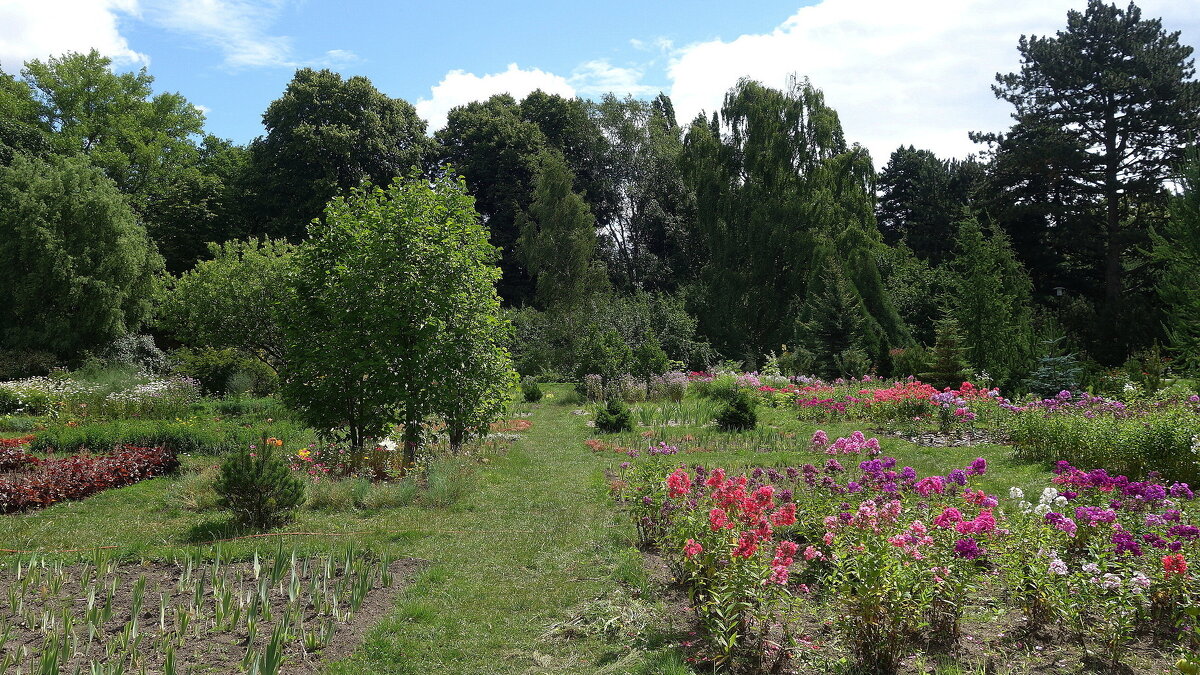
{"type": "Point", "coordinates": [1177, 250]}
{"type": "Point", "coordinates": [558, 239]}
{"type": "Point", "coordinates": [948, 368]}
{"type": "Point", "coordinates": [990, 301]}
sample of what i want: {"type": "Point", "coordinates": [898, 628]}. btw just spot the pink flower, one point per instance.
{"type": "Point", "coordinates": [811, 553]}
{"type": "Point", "coordinates": [678, 484]}
{"type": "Point", "coordinates": [718, 519]}
{"type": "Point", "coordinates": [947, 518]}
{"type": "Point", "coordinates": [746, 546]}
{"type": "Point", "coordinates": [692, 548]}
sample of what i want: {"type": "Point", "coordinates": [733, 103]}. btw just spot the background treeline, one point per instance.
{"type": "Point", "coordinates": [756, 233]}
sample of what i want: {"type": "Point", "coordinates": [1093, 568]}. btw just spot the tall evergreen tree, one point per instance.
{"type": "Point", "coordinates": [1177, 251]}
{"type": "Point", "coordinates": [921, 198]}
{"type": "Point", "coordinates": [1102, 112]}
{"type": "Point", "coordinates": [990, 300]}
{"type": "Point", "coordinates": [558, 239]}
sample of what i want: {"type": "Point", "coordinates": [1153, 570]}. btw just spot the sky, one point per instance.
{"type": "Point", "coordinates": [899, 72]}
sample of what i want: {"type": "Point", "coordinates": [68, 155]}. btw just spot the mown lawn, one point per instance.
{"type": "Point", "coordinates": [532, 540]}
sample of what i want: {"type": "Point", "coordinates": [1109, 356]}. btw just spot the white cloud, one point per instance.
{"type": "Point", "coordinates": [240, 30]}
{"type": "Point", "coordinates": [39, 29]}
{"type": "Point", "coordinates": [236, 27]}
{"type": "Point", "coordinates": [897, 72]}
{"type": "Point", "coordinates": [459, 87]}
{"type": "Point", "coordinates": [595, 78]}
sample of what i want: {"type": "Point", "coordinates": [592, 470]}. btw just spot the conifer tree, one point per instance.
{"type": "Point", "coordinates": [990, 301]}
{"type": "Point", "coordinates": [1177, 250]}
{"type": "Point", "coordinates": [948, 368]}
{"type": "Point", "coordinates": [558, 239]}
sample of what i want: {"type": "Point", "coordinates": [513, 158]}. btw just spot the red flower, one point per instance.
{"type": "Point", "coordinates": [1174, 564]}
{"type": "Point", "coordinates": [746, 546]}
{"type": "Point", "coordinates": [678, 484]}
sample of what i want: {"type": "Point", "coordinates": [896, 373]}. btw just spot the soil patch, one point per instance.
{"type": "Point", "coordinates": [201, 612]}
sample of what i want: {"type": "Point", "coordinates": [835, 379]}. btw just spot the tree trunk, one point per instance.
{"type": "Point", "coordinates": [412, 441]}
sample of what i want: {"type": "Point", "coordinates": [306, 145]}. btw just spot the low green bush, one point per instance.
{"type": "Point", "coordinates": [531, 390]}
{"type": "Point", "coordinates": [738, 414]}
{"type": "Point", "coordinates": [258, 487]}
{"type": "Point", "coordinates": [614, 417]}
{"type": "Point", "coordinates": [194, 436]}
{"type": "Point", "coordinates": [20, 423]}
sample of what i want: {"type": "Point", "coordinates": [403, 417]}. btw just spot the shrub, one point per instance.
{"type": "Point", "coordinates": [195, 489]}
{"type": "Point", "coordinates": [258, 487]}
{"type": "Point", "coordinates": [738, 414]}
{"type": "Point", "coordinates": [614, 417]}
{"type": "Point", "coordinates": [9, 402]}
{"type": "Point", "coordinates": [226, 371]}
{"type": "Point", "coordinates": [531, 390]}
{"type": "Point", "coordinates": [79, 476]}
{"type": "Point", "coordinates": [16, 364]}
{"type": "Point", "coordinates": [191, 437]}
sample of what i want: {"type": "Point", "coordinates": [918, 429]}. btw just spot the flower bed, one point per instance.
{"type": "Point", "coordinates": [61, 479]}
{"type": "Point", "coordinates": [895, 563]}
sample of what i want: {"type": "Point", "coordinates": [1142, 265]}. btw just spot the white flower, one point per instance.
{"type": "Point", "coordinates": [1025, 507]}
{"type": "Point", "coordinates": [1048, 495]}
{"type": "Point", "coordinates": [1060, 501]}
{"type": "Point", "coordinates": [388, 444]}
{"type": "Point", "coordinates": [1041, 510]}
{"type": "Point", "coordinates": [1110, 581]}
{"type": "Point", "coordinates": [1139, 581]}
{"type": "Point", "coordinates": [1016, 493]}
{"type": "Point", "coordinates": [1091, 568]}
{"type": "Point", "coordinates": [1058, 567]}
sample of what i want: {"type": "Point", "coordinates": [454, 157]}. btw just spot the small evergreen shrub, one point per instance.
{"type": "Point", "coordinates": [614, 417]}
{"type": "Point", "coordinates": [258, 487]}
{"type": "Point", "coordinates": [738, 414]}
{"type": "Point", "coordinates": [531, 390]}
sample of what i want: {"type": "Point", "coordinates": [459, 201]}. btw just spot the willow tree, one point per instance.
{"type": "Point", "coordinates": [773, 176]}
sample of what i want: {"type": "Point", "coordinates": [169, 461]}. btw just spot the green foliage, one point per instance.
{"type": "Point", "coordinates": [1177, 250]}
{"type": "Point", "coordinates": [16, 364]}
{"type": "Point", "coordinates": [258, 487]}
{"type": "Point", "coordinates": [947, 368]}
{"type": "Point", "coordinates": [739, 413]}
{"type": "Point", "coordinates": [231, 301]}
{"type": "Point", "coordinates": [1054, 372]}
{"type": "Point", "coordinates": [217, 369]}
{"type": "Point", "coordinates": [77, 269]}
{"type": "Point", "coordinates": [326, 135]}
{"type": "Point", "coordinates": [649, 359]}
{"type": "Point", "coordinates": [921, 200]}
{"type": "Point", "coordinates": [614, 417]}
{"type": "Point", "coordinates": [1103, 112]}
{"type": "Point", "coordinates": [990, 300]}
{"type": "Point", "coordinates": [205, 437]}
{"type": "Point", "coordinates": [531, 391]}
{"type": "Point", "coordinates": [558, 239]}
{"type": "Point", "coordinates": [834, 329]}
{"type": "Point", "coordinates": [395, 319]}
{"type": "Point", "coordinates": [910, 361]}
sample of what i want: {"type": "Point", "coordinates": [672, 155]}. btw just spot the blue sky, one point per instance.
{"type": "Point", "coordinates": [897, 71]}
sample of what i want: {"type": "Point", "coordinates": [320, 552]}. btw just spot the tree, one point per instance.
{"type": "Point", "coordinates": [496, 151]}
{"type": "Point", "coordinates": [833, 327]}
{"type": "Point", "coordinates": [76, 269]}
{"type": "Point", "coordinates": [558, 239]}
{"type": "Point", "coordinates": [645, 242]}
{"type": "Point", "coordinates": [394, 295]}
{"type": "Point", "coordinates": [1177, 251]}
{"type": "Point", "coordinates": [138, 138]}
{"type": "Point", "coordinates": [920, 200]}
{"type": "Point", "coordinates": [779, 182]}
{"type": "Point", "coordinates": [233, 300]}
{"type": "Point", "coordinates": [948, 368]}
{"type": "Point", "coordinates": [990, 300]}
{"type": "Point", "coordinates": [326, 135]}
{"type": "Point", "coordinates": [1102, 112]}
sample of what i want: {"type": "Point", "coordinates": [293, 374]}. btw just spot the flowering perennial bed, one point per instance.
{"type": "Point", "coordinates": [46, 481]}
{"type": "Point", "coordinates": [878, 561]}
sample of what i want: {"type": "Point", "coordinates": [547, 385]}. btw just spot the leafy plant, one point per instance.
{"type": "Point", "coordinates": [259, 487]}
{"type": "Point", "coordinates": [614, 417]}
{"type": "Point", "coordinates": [739, 413]}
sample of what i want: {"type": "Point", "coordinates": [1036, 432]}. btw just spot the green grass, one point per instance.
{"type": "Point", "coordinates": [532, 541]}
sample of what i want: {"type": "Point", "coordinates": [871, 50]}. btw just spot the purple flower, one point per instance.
{"type": "Point", "coordinates": [967, 548]}
{"type": "Point", "coordinates": [958, 477]}
{"type": "Point", "coordinates": [977, 467]}
{"type": "Point", "coordinates": [1181, 491]}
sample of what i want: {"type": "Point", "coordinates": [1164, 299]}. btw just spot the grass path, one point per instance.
{"type": "Point", "coordinates": [542, 537]}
